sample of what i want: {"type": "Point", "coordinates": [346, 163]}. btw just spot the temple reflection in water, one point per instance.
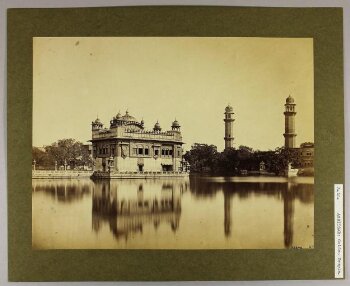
{"type": "Point", "coordinates": [127, 206]}
{"type": "Point", "coordinates": [216, 211]}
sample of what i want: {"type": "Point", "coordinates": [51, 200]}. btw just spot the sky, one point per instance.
{"type": "Point", "coordinates": [192, 79]}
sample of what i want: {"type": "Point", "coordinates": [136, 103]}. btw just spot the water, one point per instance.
{"type": "Point", "coordinates": [179, 213]}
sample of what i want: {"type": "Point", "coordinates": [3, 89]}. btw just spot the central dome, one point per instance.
{"type": "Point", "coordinates": [128, 117]}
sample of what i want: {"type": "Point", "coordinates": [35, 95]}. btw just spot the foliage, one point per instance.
{"type": "Point", "coordinates": [41, 158]}
{"type": "Point", "coordinates": [202, 157]}
{"type": "Point", "coordinates": [206, 158]}
{"type": "Point", "coordinates": [70, 151]}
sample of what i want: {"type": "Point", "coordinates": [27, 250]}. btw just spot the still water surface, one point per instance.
{"type": "Point", "coordinates": [179, 213]}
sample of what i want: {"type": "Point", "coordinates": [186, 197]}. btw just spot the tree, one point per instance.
{"type": "Point", "coordinates": [245, 156]}
{"type": "Point", "coordinates": [245, 149]}
{"type": "Point", "coordinates": [42, 160]}
{"type": "Point", "coordinates": [69, 150]}
{"type": "Point", "coordinates": [202, 157]}
{"type": "Point", "coordinates": [284, 156]}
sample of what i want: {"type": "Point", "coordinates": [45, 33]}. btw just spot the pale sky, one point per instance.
{"type": "Point", "coordinates": [162, 78]}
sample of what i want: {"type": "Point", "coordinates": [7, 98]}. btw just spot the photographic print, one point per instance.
{"type": "Point", "coordinates": [173, 143]}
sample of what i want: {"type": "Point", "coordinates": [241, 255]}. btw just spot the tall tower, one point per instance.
{"type": "Point", "coordinates": [229, 127]}
{"type": "Point", "coordinates": [289, 129]}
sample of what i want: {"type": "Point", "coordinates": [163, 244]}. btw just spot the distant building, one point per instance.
{"type": "Point", "coordinates": [229, 127]}
{"type": "Point", "coordinates": [127, 146]}
{"type": "Point", "coordinates": [306, 154]}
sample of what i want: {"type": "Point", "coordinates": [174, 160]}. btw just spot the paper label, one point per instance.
{"type": "Point", "coordinates": [338, 231]}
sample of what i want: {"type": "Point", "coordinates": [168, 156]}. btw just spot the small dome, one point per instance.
{"type": "Point", "coordinates": [118, 116]}
{"type": "Point", "coordinates": [97, 121]}
{"type": "Point", "coordinates": [157, 126]}
{"type": "Point", "coordinates": [290, 99]}
{"type": "Point", "coordinates": [228, 109]}
{"type": "Point", "coordinates": [175, 124]}
{"type": "Point", "coordinates": [142, 122]}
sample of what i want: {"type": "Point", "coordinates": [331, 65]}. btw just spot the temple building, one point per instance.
{"type": "Point", "coordinates": [126, 146]}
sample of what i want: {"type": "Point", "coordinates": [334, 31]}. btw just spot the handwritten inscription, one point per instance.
{"type": "Point", "coordinates": [338, 228]}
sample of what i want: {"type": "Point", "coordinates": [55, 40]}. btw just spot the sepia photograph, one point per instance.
{"type": "Point", "coordinates": [173, 143]}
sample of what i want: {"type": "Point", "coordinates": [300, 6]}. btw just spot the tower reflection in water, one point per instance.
{"type": "Point", "coordinates": [287, 191]}
{"type": "Point", "coordinates": [127, 206]}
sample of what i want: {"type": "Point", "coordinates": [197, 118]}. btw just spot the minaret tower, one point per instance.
{"type": "Point", "coordinates": [229, 127]}
{"type": "Point", "coordinates": [289, 130]}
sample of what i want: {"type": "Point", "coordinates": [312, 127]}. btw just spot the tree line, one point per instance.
{"type": "Point", "coordinates": [68, 151]}
{"type": "Point", "coordinates": [205, 158]}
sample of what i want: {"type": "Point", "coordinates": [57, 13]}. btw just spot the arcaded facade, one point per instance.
{"type": "Point", "coordinates": [126, 146]}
